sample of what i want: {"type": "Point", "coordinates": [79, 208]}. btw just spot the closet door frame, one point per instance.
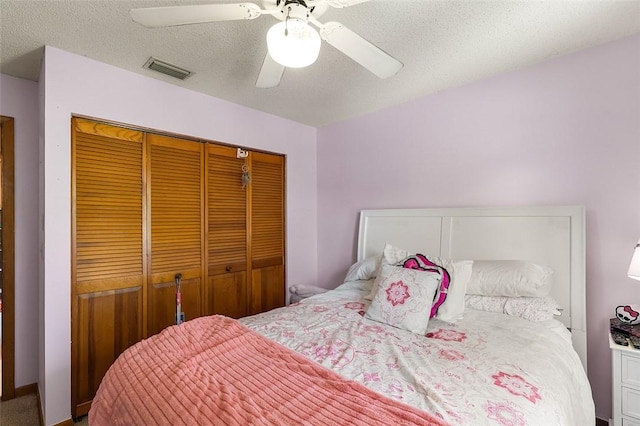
{"type": "Point", "coordinates": [9, 390]}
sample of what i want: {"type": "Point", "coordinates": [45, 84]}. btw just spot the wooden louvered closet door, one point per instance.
{"type": "Point", "coordinates": [146, 207]}
{"type": "Point", "coordinates": [176, 222]}
{"type": "Point", "coordinates": [227, 234]}
{"type": "Point", "coordinates": [267, 232]}
{"type": "Point", "coordinates": [108, 268]}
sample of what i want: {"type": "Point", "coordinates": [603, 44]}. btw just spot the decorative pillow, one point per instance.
{"type": "Point", "coordinates": [513, 278]}
{"type": "Point", "coordinates": [449, 300]}
{"type": "Point", "coordinates": [529, 308]}
{"type": "Point", "coordinates": [364, 269]}
{"type": "Point", "coordinates": [404, 297]}
{"type": "Point", "coordinates": [390, 256]}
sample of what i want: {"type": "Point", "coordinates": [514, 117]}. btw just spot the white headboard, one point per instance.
{"type": "Point", "coordinates": [551, 236]}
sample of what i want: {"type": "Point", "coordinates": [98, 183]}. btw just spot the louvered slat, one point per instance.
{"type": "Point", "coordinates": [108, 182]}
{"type": "Point", "coordinates": [227, 204]}
{"type": "Point", "coordinates": [176, 194]}
{"type": "Point", "coordinates": [267, 218]}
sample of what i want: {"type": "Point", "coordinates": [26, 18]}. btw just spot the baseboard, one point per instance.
{"type": "Point", "coordinates": [26, 390]}
{"type": "Point", "coordinates": [21, 391]}
{"type": "Point", "coordinates": [601, 422]}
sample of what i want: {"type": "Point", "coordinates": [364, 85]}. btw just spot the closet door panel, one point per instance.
{"type": "Point", "coordinates": [267, 232]}
{"type": "Point", "coordinates": [267, 289]}
{"type": "Point", "coordinates": [227, 233]}
{"type": "Point", "coordinates": [108, 323]}
{"type": "Point", "coordinates": [230, 294]}
{"type": "Point", "coordinates": [162, 301]}
{"type": "Point", "coordinates": [108, 268]}
{"type": "Point", "coordinates": [175, 193]}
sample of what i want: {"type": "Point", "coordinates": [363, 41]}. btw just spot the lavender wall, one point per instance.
{"type": "Point", "coordinates": [19, 99]}
{"type": "Point", "coordinates": [77, 85]}
{"type": "Point", "coordinates": [563, 132]}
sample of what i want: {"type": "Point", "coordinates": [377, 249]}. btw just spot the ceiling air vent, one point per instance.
{"type": "Point", "coordinates": [167, 68]}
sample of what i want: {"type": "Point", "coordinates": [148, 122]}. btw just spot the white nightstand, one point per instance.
{"type": "Point", "coordinates": [626, 384]}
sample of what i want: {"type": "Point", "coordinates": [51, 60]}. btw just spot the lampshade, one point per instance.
{"type": "Point", "coordinates": [634, 268]}
{"type": "Point", "coordinates": [293, 43]}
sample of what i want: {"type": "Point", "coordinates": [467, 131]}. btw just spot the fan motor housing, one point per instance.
{"type": "Point", "coordinates": [303, 8]}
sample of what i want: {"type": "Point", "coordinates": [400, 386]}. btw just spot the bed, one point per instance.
{"type": "Point", "coordinates": [342, 358]}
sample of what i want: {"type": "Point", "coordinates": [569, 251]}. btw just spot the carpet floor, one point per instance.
{"type": "Point", "coordinates": [23, 411]}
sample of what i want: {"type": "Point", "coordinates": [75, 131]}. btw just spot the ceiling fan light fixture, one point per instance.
{"type": "Point", "coordinates": [293, 43]}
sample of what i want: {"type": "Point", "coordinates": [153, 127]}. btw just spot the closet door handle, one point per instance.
{"type": "Point", "coordinates": [228, 268]}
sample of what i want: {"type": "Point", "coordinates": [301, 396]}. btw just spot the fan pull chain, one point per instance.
{"type": "Point", "coordinates": [286, 23]}
{"type": "Point", "coordinates": [246, 177]}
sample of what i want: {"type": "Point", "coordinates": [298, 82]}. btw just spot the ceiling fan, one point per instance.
{"type": "Point", "coordinates": [291, 42]}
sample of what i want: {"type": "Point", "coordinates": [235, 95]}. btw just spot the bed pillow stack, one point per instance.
{"type": "Point", "coordinates": [513, 287]}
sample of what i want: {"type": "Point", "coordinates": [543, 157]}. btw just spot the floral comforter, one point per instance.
{"type": "Point", "coordinates": [487, 369]}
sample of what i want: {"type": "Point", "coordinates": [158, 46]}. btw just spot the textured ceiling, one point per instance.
{"type": "Point", "coordinates": [442, 44]}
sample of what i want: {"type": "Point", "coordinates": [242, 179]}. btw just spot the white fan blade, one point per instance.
{"type": "Point", "coordinates": [270, 74]}
{"type": "Point", "coordinates": [169, 16]}
{"type": "Point", "coordinates": [344, 3]}
{"type": "Point", "coordinates": [360, 50]}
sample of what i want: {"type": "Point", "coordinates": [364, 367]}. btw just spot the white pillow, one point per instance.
{"type": "Point", "coordinates": [403, 299]}
{"type": "Point", "coordinates": [452, 308]}
{"type": "Point", "coordinates": [529, 308]}
{"type": "Point", "coordinates": [512, 278]}
{"type": "Point", "coordinates": [364, 269]}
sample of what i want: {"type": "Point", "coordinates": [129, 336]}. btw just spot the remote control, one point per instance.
{"type": "Point", "coordinates": [635, 341]}
{"type": "Point", "coordinates": [619, 338]}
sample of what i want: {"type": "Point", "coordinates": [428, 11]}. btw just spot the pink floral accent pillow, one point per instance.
{"type": "Point", "coordinates": [448, 304]}
{"type": "Point", "coordinates": [404, 298]}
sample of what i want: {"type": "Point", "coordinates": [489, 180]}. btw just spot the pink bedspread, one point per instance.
{"type": "Point", "coordinates": [214, 370]}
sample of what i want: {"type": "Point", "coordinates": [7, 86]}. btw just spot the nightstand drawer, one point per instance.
{"type": "Point", "coordinates": [630, 370]}
{"type": "Point", "coordinates": [631, 403]}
